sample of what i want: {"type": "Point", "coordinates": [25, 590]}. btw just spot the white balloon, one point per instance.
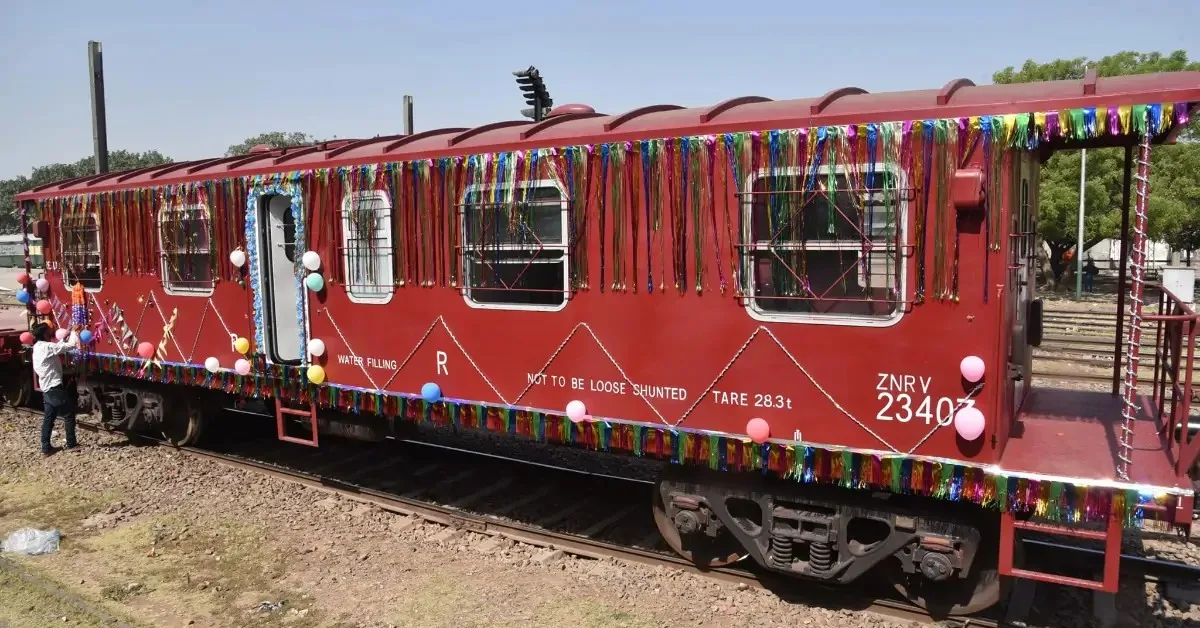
{"type": "Point", "coordinates": [311, 260]}
{"type": "Point", "coordinates": [316, 347]}
{"type": "Point", "coordinates": [212, 365]}
{"type": "Point", "coordinates": [237, 258]}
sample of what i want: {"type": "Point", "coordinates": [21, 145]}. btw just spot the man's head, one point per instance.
{"type": "Point", "coordinates": [41, 331]}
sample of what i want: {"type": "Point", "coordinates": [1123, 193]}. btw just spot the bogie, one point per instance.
{"type": "Point", "coordinates": [155, 411]}
{"type": "Point", "coordinates": [942, 557]}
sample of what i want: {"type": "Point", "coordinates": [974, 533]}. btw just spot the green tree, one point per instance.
{"type": "Point", "coordinates": [1172, 211]}
{"type": "Point", "coordinates": [118, 160]}
{"type": "Point", "coordinates": [274, 139]}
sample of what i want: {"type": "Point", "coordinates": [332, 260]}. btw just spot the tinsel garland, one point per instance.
{"type": "Point", "coordinates": [1055, 500]}
{"type": "Point", "coordinates": [675, 181]}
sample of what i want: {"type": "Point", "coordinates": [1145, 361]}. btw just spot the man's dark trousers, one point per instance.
{"type": "Point", "coordinates": [59, 403]}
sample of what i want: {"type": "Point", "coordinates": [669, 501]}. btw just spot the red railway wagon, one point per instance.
{"type": "Point", "coordinates": [822, 308]}
{"type": "Point", "coordinates": [15, 387]}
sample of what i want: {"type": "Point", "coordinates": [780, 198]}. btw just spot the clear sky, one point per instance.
{"type": "Point", "coordinates": [191, 78]}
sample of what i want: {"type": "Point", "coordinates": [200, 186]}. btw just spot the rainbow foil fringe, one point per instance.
{"type": "Point", "coordinates": [1053, 500]}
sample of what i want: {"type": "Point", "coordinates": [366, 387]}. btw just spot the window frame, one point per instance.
{"type": "Point", "coordinates": [168, 286]}
{"type": "Point", "coordinates": [62, 236]}
{"type": "Point", "coordinates": [809, 318]}
{"type": "Point", "coordinates": [389, 220]}
{"type": "Point", "coordinates": [565, 247]}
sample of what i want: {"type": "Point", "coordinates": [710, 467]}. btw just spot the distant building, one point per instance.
{"type": "Point", "coordinates": [12, 251]}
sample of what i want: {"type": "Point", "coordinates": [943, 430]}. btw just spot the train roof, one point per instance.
{"type": "Point", "coordinates": [578, 124]}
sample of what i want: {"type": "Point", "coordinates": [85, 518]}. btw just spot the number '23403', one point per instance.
{"type": "Point", "coordinates": [904, 408]}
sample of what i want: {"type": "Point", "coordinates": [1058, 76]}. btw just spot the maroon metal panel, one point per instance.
{"type": "Point", "coordinates": [293, 153]}
{"type": "Point", "coordinates": [129, 174]}
{"type": "Point", "coordinates": [242, 160]}
{"type": "Point", "coordinates": [469, 133]}
{"type": "Point", "coordinates": [949, 88]}
{"type": "Point", "coordinates": [816, 108]}
{"type": "Point", "coordinates": [618, 120]}
{"type": "Point", "coordinates": [408, 139]}
{"type": "Point", "coordinates": [61, 184]}
{"type": "Point", "coordinates": [205, 163]}
{"type": "Point", "coordinates": [1089, 82]}
{"type": "Point", "coordinates": [173, 168]}
{"type": "Point", "coordinates": [103, 177]}
{"type": "Point", "coordinates": [725, 105]}
{"type": "Point", "coordinates": [361, 143]}
{"type": "Point", "coordinates": [556, 120]}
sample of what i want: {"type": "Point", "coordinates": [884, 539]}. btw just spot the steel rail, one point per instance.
{"type": "Point", "coordinates": [813, 594]}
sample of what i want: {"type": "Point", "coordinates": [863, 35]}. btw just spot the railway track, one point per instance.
{"type": "Point", "coordinates": [483, 493]}
{"type": "Point", "coordinates": [488, 494]}
{"type": "Point", "coordinates": [1078, 347]}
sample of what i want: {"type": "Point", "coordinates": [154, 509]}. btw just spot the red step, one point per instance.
{"type": "Point", "coordinates": [1112, 551]}
{"type": "Point", "coordinates": [311, 413]}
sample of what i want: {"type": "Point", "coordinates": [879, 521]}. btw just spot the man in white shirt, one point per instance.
{"type": "Point", "coordinates": [56, 399]}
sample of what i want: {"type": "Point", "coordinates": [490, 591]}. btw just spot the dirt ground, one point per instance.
{"type": "Point", "coordinates": [158, 538]}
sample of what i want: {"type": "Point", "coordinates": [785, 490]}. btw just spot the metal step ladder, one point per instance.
{"type": "Point", "coordinates": [282, 411]}
{"type": "Point", "coordinates": [1111, 537]}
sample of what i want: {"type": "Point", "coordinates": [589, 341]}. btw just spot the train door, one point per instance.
{"type": "Point", "coordinates": [1021, 271]}
{"type": "Point", "coordinates": [280, 289]}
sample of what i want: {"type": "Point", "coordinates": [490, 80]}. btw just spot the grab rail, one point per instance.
{"type": "Point", "coordinates": [1176, 327]}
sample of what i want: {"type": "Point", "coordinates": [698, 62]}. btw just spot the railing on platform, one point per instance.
{"type": "Point", "coordinates": [1174, 358]}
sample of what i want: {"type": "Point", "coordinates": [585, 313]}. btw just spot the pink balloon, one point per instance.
{"type": "Point", "coordinates": [146, 350]}
{"type": "Point", "coordinates": [26, 338]}
{"type": "Point", "coordinates": [42, 284]}
{"type": "Point", "coordinates": [61, 334]}
{"type": "Point", "coordinates": [242, 367]}
{"type": "Point", "coordinates": [758, 430]}
{"type": "Point", "coordinates": [43, 307]}
{"type": "Point", "coordinates": [971, 368]}
{"type": "Point", "coordinates": [22, 278]}
{"type": "Point", "coordinates": [576, 411]}
{"type": "Point", "coordinates": [968, 422]}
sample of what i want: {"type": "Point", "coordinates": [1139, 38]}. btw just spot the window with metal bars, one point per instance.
{"type": "Point", "coordinates": [515, 252]}
{"type": "Point", "coordinates": [824, 248]}
{"type": "Point", "coordinates": [80, 234]}
{"type": "Point", "coordinates": [184, 246]}
{"type": "Point", "coordinates": [367, 246]}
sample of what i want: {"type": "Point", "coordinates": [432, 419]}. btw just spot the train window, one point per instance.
{"type": "Point", "coordinates": [515, 252]}
{"type": "Point", "coordinates": [81, 250]}
{"type": "Point", "coordinates": [367, 246]}
{"type": "Point", "coordinates": [826, 255]}
{"type": "Point", "coordinates": [187, 262]}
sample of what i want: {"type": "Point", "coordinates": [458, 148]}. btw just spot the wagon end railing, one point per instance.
{"type": "Point", "coordinates": [1176, 324]}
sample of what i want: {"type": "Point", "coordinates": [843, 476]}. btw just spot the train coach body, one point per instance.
{"type": "Point", "coordinates": [814, 288]}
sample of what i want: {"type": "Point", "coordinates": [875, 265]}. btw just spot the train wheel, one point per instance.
{"type": "Point", "coordinates": [17, 389]}
{"type": "Point", "coordinates": [983, 587]}
{"type": "Point", "coordinates": [702, 550]}
{"type": "Point", "coordinates": [184, 425]}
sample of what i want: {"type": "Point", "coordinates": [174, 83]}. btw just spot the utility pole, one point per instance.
{"type": "Point", "coordinates": [530, 82]}
{"type": "Point", "coordinates": [99, 126]}
{"type": "Point", "coordinates": [408, 115]}
{"type": "Point", "coordinates": [1079, 235]}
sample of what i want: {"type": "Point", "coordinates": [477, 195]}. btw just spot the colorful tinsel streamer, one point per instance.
{"type": "Point", "coordinates": [1050, 499]}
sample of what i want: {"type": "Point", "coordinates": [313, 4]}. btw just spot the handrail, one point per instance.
{"type": "Point", "coordinates": [1177, 325]}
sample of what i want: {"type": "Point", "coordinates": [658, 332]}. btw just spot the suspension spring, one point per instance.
{"type": "Point", "coordinates": [820, 556]}
{"type": "Point", "coordinates": [116, 412]}
{"type": "Point", "coordinates": [781, 550]}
